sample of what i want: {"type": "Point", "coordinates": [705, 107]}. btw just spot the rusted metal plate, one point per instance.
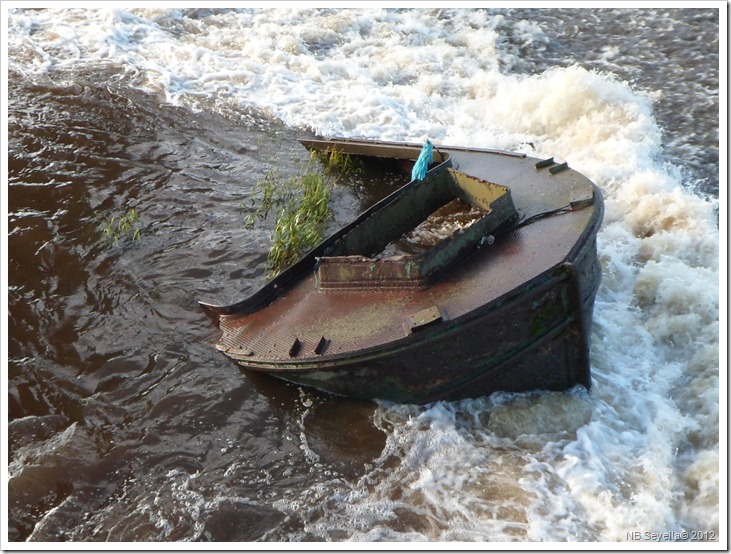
{"type": "Point", "coordinates": [581, 198]}
{"type": "Point", "coordinates": [360, 272]}
{"type": "Point", "coordinates": [533, 190]}
{"type": "Point", "coordinates": [360, 319]}
{"type": "Point", "coordinates": [483, 194]}
{"type": "Point", "coordinates": [422, 318]}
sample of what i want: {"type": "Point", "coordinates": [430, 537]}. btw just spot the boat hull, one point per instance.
{"type": "Point", "coordinates": [514, 316]}
{"type": "Point", "coordinates": [538, 335]}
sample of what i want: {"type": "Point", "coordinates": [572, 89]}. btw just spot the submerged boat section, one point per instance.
{"type": "Point", "coordinates": [503, 301]}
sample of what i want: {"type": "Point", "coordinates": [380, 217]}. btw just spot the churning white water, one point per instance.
{"type": "Point", "coordinates": [637, 453]}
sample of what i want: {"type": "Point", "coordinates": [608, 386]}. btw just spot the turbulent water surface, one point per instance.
{"type": "Point", "coordinates": [125, 424]}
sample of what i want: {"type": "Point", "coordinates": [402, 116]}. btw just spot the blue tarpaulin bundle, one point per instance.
{"type": "Point", "coordinates": [422, 162]}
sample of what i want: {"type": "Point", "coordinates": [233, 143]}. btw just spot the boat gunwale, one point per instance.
{"type": "Point", "coordinates": [439, 148]}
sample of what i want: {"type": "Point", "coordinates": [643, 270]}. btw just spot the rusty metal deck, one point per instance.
{"type": "Point", "coordinates": [359, 319]}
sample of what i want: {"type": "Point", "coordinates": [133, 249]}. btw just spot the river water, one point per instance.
{"type": "Point", "coordinates": [125, 424]}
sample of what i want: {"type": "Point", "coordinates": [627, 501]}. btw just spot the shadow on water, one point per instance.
{"type": "Point", "coordinates": [339, 431]}
{"type": "Point", "coordinates": [125, 424]}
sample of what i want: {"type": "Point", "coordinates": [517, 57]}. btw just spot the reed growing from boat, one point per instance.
{"type": "Point", "coordinates": [339, 163]}
{"type": "Point", "coordinates": [300, 220]}
{"type": "Point", "coordinates": [301, 204]}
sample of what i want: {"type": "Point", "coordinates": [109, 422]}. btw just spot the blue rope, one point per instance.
{"type": "Point", "coordinates": [422, 162]}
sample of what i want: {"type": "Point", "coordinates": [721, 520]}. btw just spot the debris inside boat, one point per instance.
{"type": "Point", "coordinates": [478, 275]}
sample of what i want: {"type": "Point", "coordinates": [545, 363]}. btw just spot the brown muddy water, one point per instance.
{"type": "Point", "coordinates": [115, 391]}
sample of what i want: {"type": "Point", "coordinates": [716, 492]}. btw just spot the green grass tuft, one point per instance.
{"type": "Point", "coordinates": [339, 163]}
{"type": "Point", "coordinates": [301, 204]}
{"type": "Point", "coordinates": [121, 227]}
{"type": "Point", "coordinates": [300, 222]}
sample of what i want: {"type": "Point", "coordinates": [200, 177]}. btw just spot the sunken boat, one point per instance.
{"type": "Point", "coordinates": [503, 303]}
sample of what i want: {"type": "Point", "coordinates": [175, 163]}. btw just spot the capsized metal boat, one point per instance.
{"type": "Point", "coordinates": [504, 303]}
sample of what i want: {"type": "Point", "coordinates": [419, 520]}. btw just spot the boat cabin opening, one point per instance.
{"type": "Point", "coordinates": [396, 245]}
